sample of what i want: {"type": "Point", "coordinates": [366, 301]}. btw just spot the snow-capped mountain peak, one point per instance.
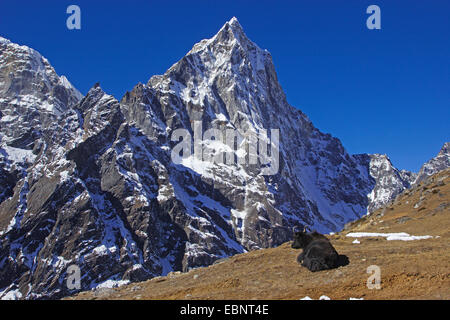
{"type": "Point", "coordinates": [445, 150]}
{"type": "Point", "coordinates": [436, 164]}
{"type": "Point", "coordinates": [230, 33]}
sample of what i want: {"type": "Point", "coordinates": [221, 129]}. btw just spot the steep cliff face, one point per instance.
{"type": "Point", "coordinates": [32, 95]}
{"type": "Point", "coordinates": [95, 183]}
{"type": "Point", "coordinates": [389, 181]}
{"type": "Point", "coordinates": [436, 164]}
{"type": "Point", "coordinates": [75, 206]}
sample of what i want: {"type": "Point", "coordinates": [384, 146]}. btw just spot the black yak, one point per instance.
{"type": "Point", "coordinates": [318, 253]}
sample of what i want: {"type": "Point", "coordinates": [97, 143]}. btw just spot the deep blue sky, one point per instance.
{"type": "Point", "coordinates": [379, 91]}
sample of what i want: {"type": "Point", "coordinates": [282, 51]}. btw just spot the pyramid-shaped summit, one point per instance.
{"type": "Point", "coordinates": [230, 63]}
{"type": "Point", "coordinates": [231, 31]}
{"type": "Point", "coordinates": [227, 50]}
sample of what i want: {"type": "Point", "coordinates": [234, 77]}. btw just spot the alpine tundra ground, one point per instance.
{"type": "Point", "coordinates": [417, 269]}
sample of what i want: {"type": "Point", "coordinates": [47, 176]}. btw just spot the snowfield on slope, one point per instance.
{"type": "Point", "coordinates": [389, 236]}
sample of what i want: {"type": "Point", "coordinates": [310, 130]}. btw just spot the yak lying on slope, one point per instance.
{"type": "Point", "coordinates": [318, 253]}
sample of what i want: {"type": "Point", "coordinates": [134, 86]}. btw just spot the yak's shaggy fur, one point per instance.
{"type": "Point", "coordinates": [318, 253]}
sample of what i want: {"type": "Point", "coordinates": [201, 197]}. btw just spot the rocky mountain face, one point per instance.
{"type": "Point", "coordinates": [389, 181]}
{"type": "Point", "coordinates": [32, 96]}
{"type": "Point", "coordinates": [93, 182]}
{"type": "Point", "coordinates": [436, 164]}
